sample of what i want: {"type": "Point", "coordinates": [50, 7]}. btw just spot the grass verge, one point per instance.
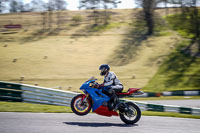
{"type": "Point", "coordinates": [39, 108]}
{"type": "Point", "coordinates": [170, 114]}
{"type": "Point", "coordinates": [29, 107]}
{"type": "Point", "coordinates": [180, 71]}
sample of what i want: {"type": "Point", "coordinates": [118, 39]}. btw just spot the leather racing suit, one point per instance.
{"type": "Point", "coordinates": [112, 85]}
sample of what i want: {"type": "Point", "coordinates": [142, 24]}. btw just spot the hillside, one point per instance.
{"type": "Point", "coordinates": [69, 55]}
{"type": "Point", "coordinates": [181, 69]}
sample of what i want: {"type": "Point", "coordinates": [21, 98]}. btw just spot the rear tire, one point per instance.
{"type": "Point", "coordinates": [132, 115]}
{"type": "Point", "coordinates": [80, 108]}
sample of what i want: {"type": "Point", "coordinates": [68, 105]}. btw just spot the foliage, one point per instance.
{"type": "Point", "coordinates": [57, 5]}
{"type": "Point", "coordinates": [36, 5]}
{"type": "Point", "coordinates": [98, 4]}
{"type": "Point", "coordinates": [149, 15]}
{"type": "Point", "coordinates": [181, 68]}
{"type": "Point", "coordinates": [137, 34]}
{"type": "Point", "coordinates": [76, 20]}
{"type": "Point", "coordinates": [180, 71]}
{"type": "Point", "coordinates": [183, 24]}
{"type": "Point", "coordinates": [100, 17]}
{"type": "Point", "coordinates": [104, 27]}
{"type": "Point", "coordinates": [16, 6]}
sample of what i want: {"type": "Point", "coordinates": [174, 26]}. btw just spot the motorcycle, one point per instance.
{"type": "Point", "coordinates": [95, 99]}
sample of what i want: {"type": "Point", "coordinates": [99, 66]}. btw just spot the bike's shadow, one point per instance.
{"type": "Point", "coordinates": [88, 124]}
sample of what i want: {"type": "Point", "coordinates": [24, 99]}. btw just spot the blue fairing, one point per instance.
{"type": "Point", "coordinates": [97, 95]}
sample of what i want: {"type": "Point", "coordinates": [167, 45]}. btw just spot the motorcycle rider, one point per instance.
{"type": "Point", "coordinates": [111, 85]}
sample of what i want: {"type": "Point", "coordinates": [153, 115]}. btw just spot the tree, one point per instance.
{"type": "Point", "coordinates": [38, 5]}
{"type": "Point", "coordinates": [187, 22]}
{"type": "Point", "coordinates": [59, 5]}
{"type": "Point", "coordinates": [50, 9]}
{"type": "Point", "coordinates": [16, 5]}
{"type": "Point", "coordinates": [149, 7]}
{"type": "Point", "coordinates": [99, 4]}
{"type": "Point", "coordinates": [189, 12]}
{"type": "Point", "coordinates": [13, 6]}
{"type": "Point", "coordinates": [2, 6]}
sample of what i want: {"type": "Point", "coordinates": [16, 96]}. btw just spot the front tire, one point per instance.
{"type": "Point", "coordinates": [132, 115]}
{"type": "Point", "coordinates": [80, 108]}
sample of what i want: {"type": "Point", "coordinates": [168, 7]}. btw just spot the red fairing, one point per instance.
{"type": "Point", "coordinates": [105, 112]}
{"type": "Point", "coordinates": [129, 92]}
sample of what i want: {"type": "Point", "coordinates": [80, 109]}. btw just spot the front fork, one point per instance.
{"type": "Point", "coordinates": [84, 99]}
{"type": "Point", "coordinates": [124, 108]}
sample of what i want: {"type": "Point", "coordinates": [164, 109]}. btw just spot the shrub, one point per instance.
{"type": "Point", "coordinates": [76, 20]}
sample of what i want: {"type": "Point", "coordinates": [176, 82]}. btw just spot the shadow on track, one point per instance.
{"type": "Point", "coordinates": [88, 124]}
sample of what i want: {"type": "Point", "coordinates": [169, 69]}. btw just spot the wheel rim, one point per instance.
{"type": "Point", "coordinates": [130, 114]}
{"type": "Point", "coordinates": [81, 107]}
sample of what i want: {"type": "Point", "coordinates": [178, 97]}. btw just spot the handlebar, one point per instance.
{"type": "Point", "coordinates": [95, 85]}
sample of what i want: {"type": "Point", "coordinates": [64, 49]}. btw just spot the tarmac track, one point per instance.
{"type": "Point", "coordinates": [11, 122]}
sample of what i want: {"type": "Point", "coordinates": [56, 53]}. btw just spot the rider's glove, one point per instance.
{"type": "Point", "coordinates": [101, 85]}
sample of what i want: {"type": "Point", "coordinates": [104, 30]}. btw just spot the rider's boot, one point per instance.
{"type": "Point", "coordinates": [114, 102]}
{"type": "Point", "coordinates": [110, 106]}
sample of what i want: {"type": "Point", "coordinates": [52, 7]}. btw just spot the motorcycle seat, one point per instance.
{"type": "Point", "coordinates": [129, 92]}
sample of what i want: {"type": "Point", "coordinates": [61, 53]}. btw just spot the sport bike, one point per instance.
{"type": "Point", "coordinates": [95, 99]}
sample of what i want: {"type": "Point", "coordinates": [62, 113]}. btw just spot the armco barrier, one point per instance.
{"type": "Point", "coordinates": [166, 108]}
{"type": "Point", "coordinates": [35, 94]}
{"type": "Point", "coordinates": [182, 93]}
{"type": "Point", "coordinates": [170, 93]}
{"type": "Point", "coordinates": [10, 92]}
{"type": "Point", "coordinates": [148, 94]}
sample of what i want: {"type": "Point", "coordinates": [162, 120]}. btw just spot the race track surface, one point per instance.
{"type": "Point", "coordinates": [92, 123]}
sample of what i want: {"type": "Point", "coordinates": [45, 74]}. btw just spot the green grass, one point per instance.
{"type": "Point", "coordinates": [170, 114]}
{"type": "Point", "coordinates": [40, 108]}
{"type": "Point", "coordinates": [183, 23]}
{"type": "Point", "coordinates": [36, 108]}
{"type": "Point", "coordinates": [179, 71]}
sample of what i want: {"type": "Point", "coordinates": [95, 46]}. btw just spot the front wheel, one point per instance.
{"type": "Point", "coordinates": [131, 113]}
{"type": "Point", "coordinates": [79, 106]}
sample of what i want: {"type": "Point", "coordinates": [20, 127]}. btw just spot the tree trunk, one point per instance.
{"type": "Point", "coordinates": [149, 22]}
{"type": "Point", "coordinates": [148, 8]}
{"type": "Point", "coordinates": [44, 19]}
{"type": "Point", "coordinates": [58, 19]}
{"type": "Point", "coordinates": [197, 22]}
{"type": "Point", "coordinates": [50, 19]}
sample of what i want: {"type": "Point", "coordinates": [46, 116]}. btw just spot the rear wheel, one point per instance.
{"type": "Point", "coordinates": [131, 114]}
{"type": "Point", "coordinates": [79, 106]}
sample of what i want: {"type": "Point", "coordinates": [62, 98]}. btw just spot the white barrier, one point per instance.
{"type": "Point", "coordinates": [43, 95]}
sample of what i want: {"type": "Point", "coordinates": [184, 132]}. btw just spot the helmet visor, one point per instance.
{"type": "Point", "coordinates": [103, 71]}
